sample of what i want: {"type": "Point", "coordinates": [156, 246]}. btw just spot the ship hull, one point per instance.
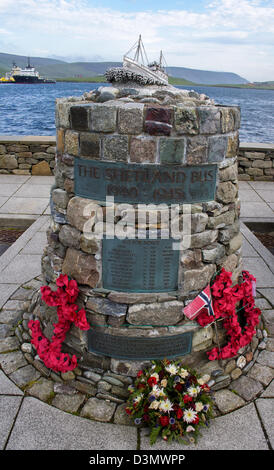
{"type": "Point", "coordinates": [30, 80]}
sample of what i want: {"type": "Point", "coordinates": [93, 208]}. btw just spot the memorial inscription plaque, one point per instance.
{"type": "Point", "coordinates": [149, 265]}
{"type": "Point", "coordinates": [148, 183]}
{"type": "Point", "coordinates": [136, 348]}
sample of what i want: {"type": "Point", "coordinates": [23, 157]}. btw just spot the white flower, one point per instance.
{"type": "Point", "coordinates": [164, 382]}
{"type": "Point", "coordinates": [155, 391]}
{"type": "Point", "coordinates": [139, 398]}
{"type": "Point", "coordinates": [190, 429]}
{"type": "Point", "coordinates": [154, 405]}
{"type": "Point", "coordinates": [183, 373]}
{"type": "Point", "coordinates": [172, 369]}
{"type": "Point", "coordinates": [166, 405]}
{"type": "Point", "coordinates": [199, 406]}
{"type": "Point", "coordinates": [189, 415]}
{"type": "Point", "coordinates": [193, 391]}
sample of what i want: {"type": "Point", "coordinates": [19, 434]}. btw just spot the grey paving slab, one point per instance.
{"type": "Point", "coordinates": [8, 409]}
{"type": "Point", "coordinates": [266, 194]}
{"type": "Point", "coordinates": [229, 432]}
{"type": "Point", "coordinates": [33, 190]}
{"type": "Point", "coordinates": [268, 294]}
{"type": "Point", "coordinates": [14, 179]}
{"type": "Point", "coordinates": [7, 387]}
{"type": "Point", "coordinates": [271, 205]}
{"type": "Point", "coordinates": [43, 427]}
{"type": "Point", "coordinates": [244, 185]}
{"type": "Point", "coordinates": [261, 184]}
{"type": "Point", "coordinates": [24, 205]}
{"type": "Point", "coordinates": [3, 200]}
{"type": "Point", "coordinates": [48, 180]}
{"type": "Point", "coordinates": [269, 391]}
{"type": "Point", "coordinates": [22, 268]}
{"type": "Point", "coordinates": [36, 245]}
{"type": "Point", "coordinates": [249, 195]}
{"type": "Point", "coordinates": [256, 210]}
{"type": "Point", "coordinates": [265, 409]}
{"type": "Point", "coordinates": [6, 290]}
{"type": "Point", "coordinates": [8, 189]}
{"type": "Point", "coordinates": [260, 270]}
{"type": "Point", "coordinates": [248, 250]}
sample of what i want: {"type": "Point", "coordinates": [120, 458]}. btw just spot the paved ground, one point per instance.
{"type": "Point", "coordinates": [28, 423]}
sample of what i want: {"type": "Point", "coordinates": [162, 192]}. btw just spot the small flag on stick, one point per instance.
{"type": "Point", "coordinates": [192, 310]}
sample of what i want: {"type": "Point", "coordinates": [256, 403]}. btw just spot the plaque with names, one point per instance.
{"type": "Point", "coordinates": [147, 183]}
{"type": "Point", "coordinates": [140, 265]}
{"type": "Point", "coordinates": [139, 348]}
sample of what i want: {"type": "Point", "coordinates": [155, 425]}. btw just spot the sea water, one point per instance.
{"type": "Point", "coordinates": [30, 109]}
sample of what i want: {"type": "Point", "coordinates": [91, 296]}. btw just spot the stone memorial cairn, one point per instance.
{"type": "Point", "coordinates": [161, 127]}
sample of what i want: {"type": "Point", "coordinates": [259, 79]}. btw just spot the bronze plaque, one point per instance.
{"type": "Point", "coordinates": [150, 183]}
{"type": "Point", "coordinates": [140, 265]}
{"type": "Point", "coordinates": [135, 348]}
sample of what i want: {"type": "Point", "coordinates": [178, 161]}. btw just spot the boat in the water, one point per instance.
{"type": "Point", "coordinates": [134, 68]}
{"type": "Point", "coordinates": [27, 75]}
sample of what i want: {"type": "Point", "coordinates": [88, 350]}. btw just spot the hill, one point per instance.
{"type": "Point", "coordinates": [54, 68]}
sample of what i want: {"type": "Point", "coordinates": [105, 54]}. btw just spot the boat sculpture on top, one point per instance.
{"type": "Point", "coordinates": [134, 69]}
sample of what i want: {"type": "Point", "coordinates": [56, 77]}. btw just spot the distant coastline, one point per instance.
{"type": "Point", "coordinates": [172, 81]}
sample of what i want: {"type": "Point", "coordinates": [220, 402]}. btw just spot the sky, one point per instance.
{"type": "Point", "coordinates": [221, 35]}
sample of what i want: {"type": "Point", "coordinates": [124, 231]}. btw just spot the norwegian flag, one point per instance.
{"type": "Point", "coordinates": [192, 310]}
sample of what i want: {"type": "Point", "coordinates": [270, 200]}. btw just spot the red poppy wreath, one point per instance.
{"type": "Point", "coordinates": [64, 299]}
{"type": "Point", "coordinates": [224, 299]}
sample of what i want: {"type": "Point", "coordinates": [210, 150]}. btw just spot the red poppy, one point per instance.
{"type": "Point", "coordinates": [164, 420]}
{"type": "Point", "coordinates": [187, 398]}
{"type": "Point", "coordinates": [152, 381]}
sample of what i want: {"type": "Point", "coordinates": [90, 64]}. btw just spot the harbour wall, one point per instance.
{"type": "Point", "coordinates": [35, 155]}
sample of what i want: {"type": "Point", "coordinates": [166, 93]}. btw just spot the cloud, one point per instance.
{"type": "Point", "coordinates": [221, 34]}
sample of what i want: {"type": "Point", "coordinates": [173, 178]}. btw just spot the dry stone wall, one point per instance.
{"type": "Point", "coordinates": [30, 155]}
{"type": "Point", "coordinates": [256, 162]}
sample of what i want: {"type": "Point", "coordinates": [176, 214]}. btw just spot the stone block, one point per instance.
{"type": "Point", "coordinates": [68, 403]}
{"type": "Point", "coordinates": [60, 198]}
{"type": "Point", "coordinates": [200, 240]}
{"type": "Point", "coordinates": [196, 151]}
{"type": "Point", "coordinates": [186, 120]}
{"type": "Point", "coordinates": [81, 267]}
{"type": "Point", "coordinates": [227, 401]}
{"type": "Point", "coordinates": [157, 128]}
{"type": "Point", "coordinates": [229, 120]}
{"type": "Point", "coordinates": [246, 387]}
{"type": "Point", "coordinates": [197, 279]}
{"type": "Point", "coordinates": [202, 339]}
{"type": "Point", "coordinates": [159, 114]}
{"type": "Point", "coordinates": [62, 114]}
{"type": "Point", "coordinates": [60, 141]}
{"type": "Point", "coordinates": [128, 368]}
{"type": "Point", "coordinates": [261, 373]}
{"type": "Point", "coordinates": [72, 143]}
{"type": "Point", "coordinates": [262, 164]}
{"type": "Point", "coordinates": [229, 174]}
{"type": "Point", "coordinates": [255, 171]}
{"type": "Point", "coordinates": [42, 389]}
{"type": "Point", "coordinates": [79, 117]}
{"type": "Point", "coordinates": [164, 313]}
{"type": "Point", "coordinates": [142, 150]}
{"type": "Point", "coordinates": [217, 146]}
{"type": "Point", "coordinates": [191, 259]}
{"type": "Point", "coordinates": [227, 218]}
{"type": "Point", "coordinates": [209, 120]}
{"type": "Point", "coordinates": [103, 118]}
{"type": "Point", "coordinates": [9, 162]}
{"type": "Point", "coordinates": [226, 192]}
{"type": "Point", "coordinates": [106, 307]}
{"type": "Point", "coordinates": [213, 253]}
{"type": "Point", "coordinates": [99, 410]}
{"type": "Point", "coordinates": [24, 375]}
{"type": "Point", "coordinates": [115, 148]}
{"type": "Point", "coordinates": [130, 118]}
{"type": "Point", "coordinates": [90, 145]}
{"type": "Point", "coordinates": [69, 236]}
{"type": "Point", "coordinates": [81, 213]}
{"type": "Point", "coordinates": [171, 151]}
{"type": "Point", "coordinates": [235, 244]}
